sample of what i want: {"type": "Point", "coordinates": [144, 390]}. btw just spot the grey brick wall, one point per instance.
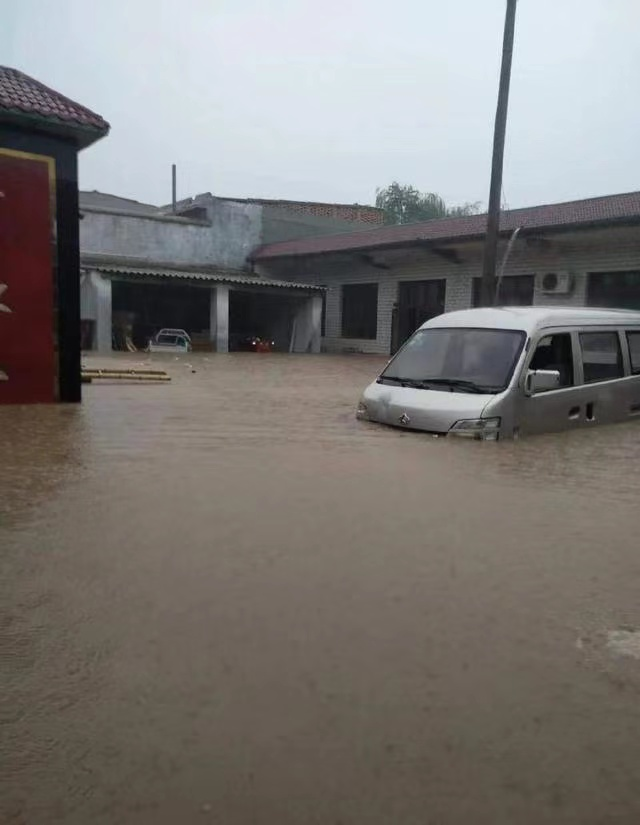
{"type": "Point", "coordinates": [580, 253]}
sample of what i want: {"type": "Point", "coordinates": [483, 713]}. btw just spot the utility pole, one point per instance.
{"type": "Point", "coordinates": [488, 290]}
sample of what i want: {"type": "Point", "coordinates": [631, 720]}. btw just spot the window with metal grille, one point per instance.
{"type": "Point", "coordinates": [614, 289]}
{"type": "Point", "coordinates": [360, 311]}
{"type": "Point", "coordinates": [515, 290]}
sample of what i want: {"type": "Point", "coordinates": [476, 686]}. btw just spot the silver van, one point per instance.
{"type": "Point", "coordinates": [504, 372]}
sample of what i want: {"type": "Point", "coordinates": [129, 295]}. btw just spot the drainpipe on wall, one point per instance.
{"type": "Point", "coordinates": [503, 265]}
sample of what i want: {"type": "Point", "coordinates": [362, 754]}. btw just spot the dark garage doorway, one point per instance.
{"type": "Point", "coordinates": [265, 315]}
{"type": "Point", "coordinates": [147, 307]}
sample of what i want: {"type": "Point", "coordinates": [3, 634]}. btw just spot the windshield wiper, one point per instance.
{"type": "Point", "coordinates": [459, 383]}
{"type": "Point", "coordinates": [406, 382]}
{"type": "Point", "coordinates": [426, 383]}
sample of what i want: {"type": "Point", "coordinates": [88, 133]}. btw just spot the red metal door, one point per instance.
{"type": "Point", "coordinates": [28, 371]}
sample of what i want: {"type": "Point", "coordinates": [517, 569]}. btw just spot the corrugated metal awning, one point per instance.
{"type": "Point", "coordinates": [219, 276]}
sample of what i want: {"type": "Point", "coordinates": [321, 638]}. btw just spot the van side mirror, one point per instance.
{"type": "Point", "coordinates": [541, 381]}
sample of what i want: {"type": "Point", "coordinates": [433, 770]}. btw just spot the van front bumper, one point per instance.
{"type": "Point", "coordinates": [477, 429]}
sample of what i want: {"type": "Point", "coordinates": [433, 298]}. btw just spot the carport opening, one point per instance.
{"type": "Point", "coordinates": [140, 310]}
{"type": "Point", "coordinates": [267, 316]}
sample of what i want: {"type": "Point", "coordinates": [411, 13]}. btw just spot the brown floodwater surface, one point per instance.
{"type": "Point", "coordinates": [224, 600]}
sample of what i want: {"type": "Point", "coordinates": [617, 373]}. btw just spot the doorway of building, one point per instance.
{"type": "Point", "coordinates": [141, 309]}
{"type": "Point", "coordinates": [417, 302]}
{"type": "Point", "coordinates": [268, 316]}
{"type": "Point", "coordinates": [87, 334]}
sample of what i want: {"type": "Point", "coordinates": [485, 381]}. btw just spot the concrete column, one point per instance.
{"type": "Point", "coordinates": [219, 318]}
{"type": "Point", "coordinates": [308, 320]}
{"type": "Point", "coordinates": [316, 322]}
{"type": "Point", "coordinates": [102, 292]}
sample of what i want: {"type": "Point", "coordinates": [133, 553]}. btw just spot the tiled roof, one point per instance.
{"type": "Point", "coordinates": [21, 93]}
{"type": "Point", "coordinates": [592, 211]}
{"type": "Point", "coordinates": [228, 276]}
{"type": "Point", "coordinates": [284, 202]}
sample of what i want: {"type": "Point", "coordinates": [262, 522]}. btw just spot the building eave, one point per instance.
{"type": "Point", "coordinates": [421, 243]}
{"type": "Point", "coordinates": [199, 277]}
{"type": "Point", "coordinates": [80, 135]}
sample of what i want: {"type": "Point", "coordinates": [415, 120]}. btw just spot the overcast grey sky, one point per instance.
{"type": "Point", "coordinates": [328, 100]}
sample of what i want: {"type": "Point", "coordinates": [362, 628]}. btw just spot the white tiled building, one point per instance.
{"type": "Point", "coordinates": [381, 283]}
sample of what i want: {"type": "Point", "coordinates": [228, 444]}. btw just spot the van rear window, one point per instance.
{"type": "Point", "coordinates": [634, 351]}
{"type": "Point", "coordinates": [601, 356]}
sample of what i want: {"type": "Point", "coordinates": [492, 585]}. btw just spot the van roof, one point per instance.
{"type": "Point", "coordinates": [532, 318]}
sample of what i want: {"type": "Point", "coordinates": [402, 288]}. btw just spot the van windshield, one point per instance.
{"type": "Point", "coordinates": [457, 359]}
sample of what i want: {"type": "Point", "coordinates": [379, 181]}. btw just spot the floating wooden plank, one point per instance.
{"type": "Point", "coordinates": [122, 371]}
{"type": "Point", "coordinates": [91, 374]}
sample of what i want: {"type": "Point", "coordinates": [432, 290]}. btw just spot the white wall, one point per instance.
{"type": "Point", "coordinates": [95, 305]}
{"type": "Point", "coordinates": [580, 253]}
{"type": "Point", "coordinates": [231, 231]}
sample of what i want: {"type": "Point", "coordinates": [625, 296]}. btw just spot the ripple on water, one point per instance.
{"type": "Point", "coordinates": [201, 579]}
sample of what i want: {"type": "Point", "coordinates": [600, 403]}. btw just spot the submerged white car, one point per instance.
{"type": "Point", "coordinates": [170, 340]}
{"type": "Point", "coordinates": [502, 372]}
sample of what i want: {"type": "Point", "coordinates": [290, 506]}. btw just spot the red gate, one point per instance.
{"type": "Point", "coordinates": [28, 362]}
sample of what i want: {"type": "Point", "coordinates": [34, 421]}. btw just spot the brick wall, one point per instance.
{"type": "Point", "coordinates": [354, 213]}
{"type": "Point", "coordinates": [579, 253]}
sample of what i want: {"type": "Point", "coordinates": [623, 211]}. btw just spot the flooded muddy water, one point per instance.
{"type": "Point", "coordinates": [224, 600]}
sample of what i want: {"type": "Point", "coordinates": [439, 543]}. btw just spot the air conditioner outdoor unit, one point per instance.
{"type": "Point", "coordinates": [557, 283]}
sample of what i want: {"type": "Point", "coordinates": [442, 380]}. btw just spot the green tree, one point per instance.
{"type": "Point", "coordinates": [406, 204]}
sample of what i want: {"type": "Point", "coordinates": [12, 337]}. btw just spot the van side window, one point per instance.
{"type": "Point", "coordinates": [601, 356]}
{"type": "Point", "coordinates": [634, 351]}
{"type": "Point", "coordinates": [554, 352]}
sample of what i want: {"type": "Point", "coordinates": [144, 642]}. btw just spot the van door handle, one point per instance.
{"type": "Point", "coordinates": [574, 413]}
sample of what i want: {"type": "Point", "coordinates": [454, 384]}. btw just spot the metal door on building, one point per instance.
{"type": "Point", "coordinates": [417, 302]}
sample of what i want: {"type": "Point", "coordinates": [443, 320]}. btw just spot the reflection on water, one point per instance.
{"type": "Point", "coordinates": [40, 447]}
{"type": "Point", "coordinates": [225, 599]}
{"type": "Point", "coordinates": [603, 462]}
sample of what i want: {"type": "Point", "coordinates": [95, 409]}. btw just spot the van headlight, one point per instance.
{"type": "Point", "coordinates": [481, 429]}
{"type": "Point", "coordinates": [362, 412]}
